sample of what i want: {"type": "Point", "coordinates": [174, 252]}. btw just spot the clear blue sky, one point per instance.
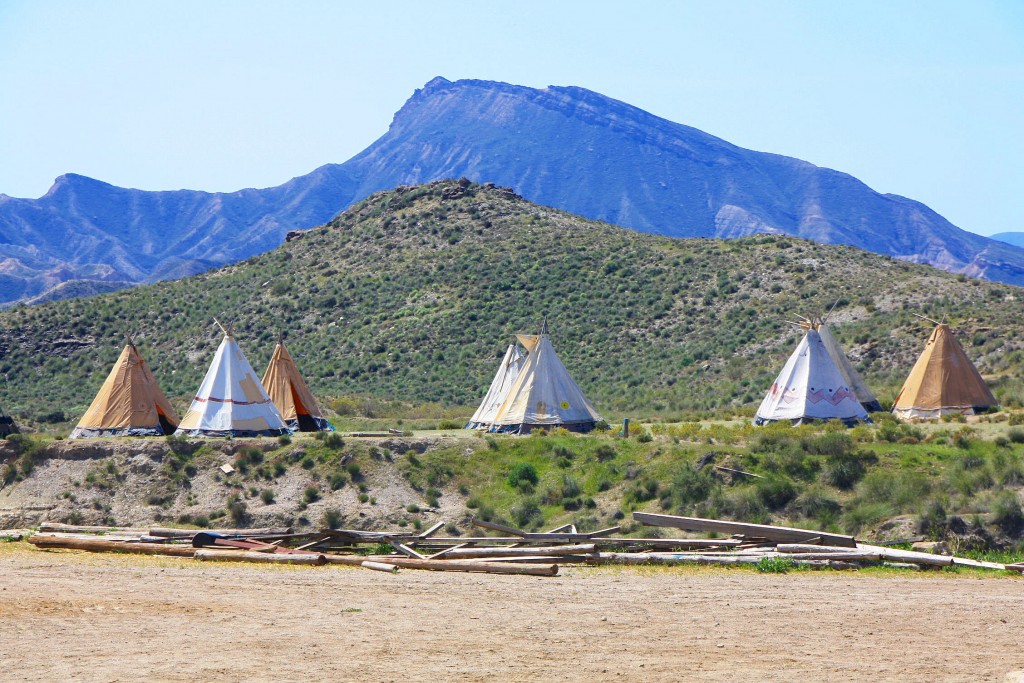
{"type": "Point", "coordinates": [923, 99]}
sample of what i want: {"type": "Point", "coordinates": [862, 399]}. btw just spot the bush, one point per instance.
{"type": "Point", "coordinates": [523, 476]}
{"type": "Point", "coordinates": [815, 503]}
{"type": "Point", "coordinates": [449, 424]}
{"type": "Point", "coordinates": [267, 496]}
{"type": "Point", "coordinates": [932, 521]}
{"type": "Point", "coordinates": [1015, 435]}
{"type": "Point", "coordinates": [311, 494]}
{"type": "Point", "coordinates": [527, 513]}
{"type": "Point", "coordinates": [1007, 514]}
{"type": "Point", "coordinates": [333, 440]}
{"type": "Point", "coordinates": [237, 509]}
{"type": "Point", "coordinates": [775, 493]}
{"type": "Point", "coordinates": [605, 452]}
{"type": "Point", "coordinates": [691, 485]}
{"type": "Point", "coordinates": [332, 518]}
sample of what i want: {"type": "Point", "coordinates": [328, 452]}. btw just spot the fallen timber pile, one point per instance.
{"type": "Point", "coordinates": [514, 551]}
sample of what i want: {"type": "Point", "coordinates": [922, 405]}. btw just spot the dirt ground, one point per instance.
{"type": "Point", "coordinates": [74, 616]}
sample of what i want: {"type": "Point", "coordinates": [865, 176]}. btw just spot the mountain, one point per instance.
{"type": "Point", "coordinates": [1014, 238]}
{"type": "Point", "coordinates": [413, 295]}
{"type": "Point", "coordinates": [561, 146]}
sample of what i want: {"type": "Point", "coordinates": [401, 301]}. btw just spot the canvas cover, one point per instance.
{"type": "Point", "coordinates": [943, 381]}
{"type": "Point", "coordinates": [810, 387]}
{"type": "Point", "coordinates": [231, 401]}
{"type": "Point", "coordinates": [291, 396]}
{"type": "Point", "coordinates": [129, 403]}
{"type": "Point", "coordinates": [544, 394]}
{"type": "Point", "coordinates": [503, 380]}
{"type": "Point", "coordinates": [850, 374]}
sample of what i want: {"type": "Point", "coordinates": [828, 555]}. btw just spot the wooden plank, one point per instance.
{"type": "Point", "coordinates": [894, 555]}
{"type": "Point", "coordinates": [472, 553]}
{"type": "Point", "coordinates": [402, 548]}
{"type": "Point", "coordinates": [450, 565]}
{"type": "Point", "coordinates": [729, 469]}
{"type": "Point", "coordinates": [205, 554]}
{"type": "Point", "coordinates": [774, 533]}
{"type": "Point", "coordinates": [188, 533]}
{"type": "Point", "coordinates": [447, 550]}
{"type": "Point", "coordinates": [431, 530]}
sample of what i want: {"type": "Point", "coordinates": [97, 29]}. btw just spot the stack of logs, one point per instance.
{"type": "Point", "coordinates": [514, 552]}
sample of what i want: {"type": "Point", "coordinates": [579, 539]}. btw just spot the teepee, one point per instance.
{"type": "Point", "coordinates": [290, 394]}
{"type": "Point", "coordinates": [543, 394]}
{"type": "Point", "coordinates": [129, 403]}
{"type": "Point", "coordinates": [7, 425]}
{"type": "Point", "coordinates": [506, 376]}
{"type": "Point", "coordinates": [231, 401]}
{"type": "Point", "coordinates": [943, 381]}
{"type": "Point", "coordinates": [810, 387]}
{"type": "Point", "coordinates": [849, 373]}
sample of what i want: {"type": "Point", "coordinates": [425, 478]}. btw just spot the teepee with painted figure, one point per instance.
{"type": "Point", "coordinates": [508, 372]}
{"type": "Point", "coordinates": [810, 387]}
{"type": "Point", "coordinates": [850, 374]}
{"type": "Point", "coordinates": [290, 395]}
{"type": "Point", "coordinates": [543, 394]}
{"type": "Point", "coordinates": [129, 403]}
{"type": "Point", "coordinates": [231, 401]}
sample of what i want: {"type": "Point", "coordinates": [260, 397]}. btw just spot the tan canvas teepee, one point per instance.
{"type": "Point", "coordinates": [943, 381]}
{"type": "Point", "coordinates": [290, 394]}
{"type": "Point", "coordinates": [129, 403]}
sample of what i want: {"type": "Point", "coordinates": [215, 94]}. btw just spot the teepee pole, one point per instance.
{"type": "Point", "coordinates": [934, 322]}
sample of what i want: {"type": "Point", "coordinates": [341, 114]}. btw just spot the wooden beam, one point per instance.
{"type": "Point", "coordinates": [773, 533]}
{"type": "Point", "coordinates": [100, 545]}
{"type": "Point", "coordinates": [206, 554]}
{"type": "Point", "coordinates": [449, 565]}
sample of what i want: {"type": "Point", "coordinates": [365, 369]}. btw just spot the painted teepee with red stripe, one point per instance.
{"type": "Point", "coordinates": [810, 387]}
{"type": "Point", "coordinates": [231, 401]}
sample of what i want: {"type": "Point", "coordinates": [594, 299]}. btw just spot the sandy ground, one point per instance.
{"type": "Point", "coordinates": [75, 616]}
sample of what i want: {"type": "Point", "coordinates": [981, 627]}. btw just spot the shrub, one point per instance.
{"type": "Point", "coordinates": [645, 437]}
{"type": "Point", "coordinates": [690, 485]}
{"type": "Point", "coordinates": [1007, 514]}
{"type": "Point", "coordinates": [237, 509]}
{"type": "Point", "coordinates": [775, 493]}
{"type": "Point", "coordinates": [449, 424]}
{"type": "Point", "coordinates": [815, 503]}
{"type": "Point", "coordinates": [412, 507]}
{"type": "Point", "coordinates": [527, 513]}
{"type": "Point", "coordinates": [333, 440]}
{"type": "Point", "coordinates": [332, 518]}
{"type": "Point", "coordinates": [354, 471]}
{"type": "Point", "coordinates": [284, 440]}
{"type": "Point", "coordinates": [605, 452]}
{"type": "Point", "coordinates": [1015, 435]}
{"type": "Point", "coordinates": [311, 494]}
{"type": "Point", "coordinates": [522, 476]}
{"type": "Point", "coordinates": [932, 521]}
{"type": "Point", "coordinates": [337, 480]}
{"type": "Point", "coordinates": [267, 496]}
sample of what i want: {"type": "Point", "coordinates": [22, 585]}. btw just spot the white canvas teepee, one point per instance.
{"type": "Point", "coordinates": [231, 400]}
{"type": "Point", "coordinates": [850, 374]}
{"type": "Point", "coordinates": [503, 380]}
{"type": "Point", "coordinates": [544, 395]}
{"type": "Point", "coordinates": [810, 387]}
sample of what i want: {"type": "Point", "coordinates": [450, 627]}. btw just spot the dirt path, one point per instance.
{"type": "Point", "coordinates": [68, 616]}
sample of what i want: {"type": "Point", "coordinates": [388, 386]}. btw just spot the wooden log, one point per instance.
{"type": "Point", "coordinates": [779, 534]}
{"type": "Point", "coordinates": [380, 567]}
{"type": "Point", "coordinates": [431, 530]}
{"type": "Point", "coordinates": [449, 565]}
{"type": "Point", "coordinates": [471, 553]}
{"type": "Point", "coordinates": [540, 559]}
{"type": "Point", "coordinates": [189, 533]}
{"type": "Point", "coordinates": [101, 545]}
{"type": "Point", "coordinates": [206, 554]}
{"type": "Point", "coordinates": [977, 564]}
{"type": "Point", "coordinates": [670, 558]}
{"type": "Point", "coordinates": [1015, 567]}
{"type": "Point", "coordinates": [797, 548]}
{"type": "Point", "coordinates": [85, 529]}
{"type": "Point", "coordinates": [896, 555]}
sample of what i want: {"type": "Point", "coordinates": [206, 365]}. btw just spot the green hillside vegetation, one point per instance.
{"type": "Point", "coordinates": [409, 298]}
